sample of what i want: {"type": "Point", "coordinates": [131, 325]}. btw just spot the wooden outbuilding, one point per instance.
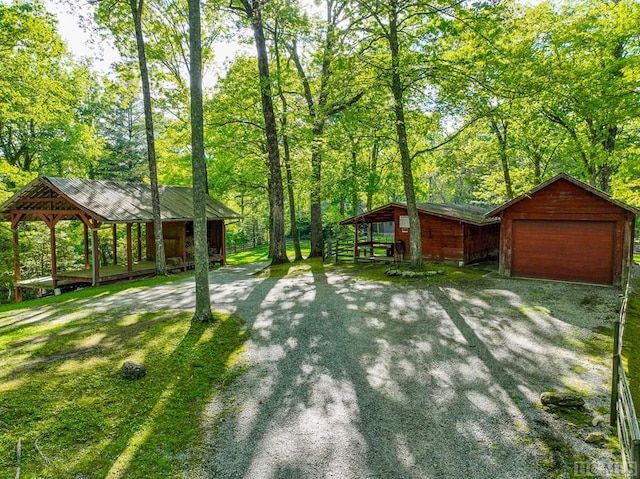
{"type": "Point", "coordinates": [450, 232]}
{"type": "Point", "coordinates": [110, 204]}
{"type": "Point", "coordinates": [564, 229]}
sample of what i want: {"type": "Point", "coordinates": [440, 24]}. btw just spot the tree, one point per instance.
{"type": "Point", "coordinates": [387, 15]}
{"type": "Point", "coordinates": [114, 17]}
{"type": "Point", "coordinates": [327, 102]}
{"type": "Point", "coordinates": [136, 12]}
{"type": "Point", "coordinates": [284, 125]}
{"type": "Point", "coordinates": [203, 300]}
{"type": "Point", "coordinates": [253, 10]}
{"type": "Point", "coordinates": [46, 117]}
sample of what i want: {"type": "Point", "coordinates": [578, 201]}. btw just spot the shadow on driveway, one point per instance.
{"type": "Point", "coordinates": [354, 379]}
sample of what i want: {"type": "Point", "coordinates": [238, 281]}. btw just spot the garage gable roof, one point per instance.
{"type": "Point", "coordinates": [561, 176]}
{"type": "Point", "coordinates": [466, 213]}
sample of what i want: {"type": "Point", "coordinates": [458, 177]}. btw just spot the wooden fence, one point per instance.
{"type": "Point", "coordinates": [337, 249]}
{"type": "Point", "coordinates": [623, 413]}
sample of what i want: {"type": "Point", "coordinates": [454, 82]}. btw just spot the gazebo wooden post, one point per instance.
{"type": "Point", "coordinates": [223, 245]}
{"type": "Point", "coordinates": [139, 243]}
{"type": "Point", "coordinates": [54, 257]}
{"type": "Point", "coordinates": [95, 247]}
{"type": "Point", "coordinates": [114, 242]}
{"type": "Point", "coordinates": [129, 249]}
{"type": "Point", "coordinates": [370, 234]}
{"type": "Point", "coordinates": [86, 245]}
{"type": "Point", "coordinates": [184, 246]}
{"type": "Point", "coordinates": [16, 257]}
{"type": "Point", "coordinates": [356, 250]}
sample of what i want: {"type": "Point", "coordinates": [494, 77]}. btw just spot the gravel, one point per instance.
{"type": "Point", "coordinates": [355, 379]}
{"type": "Point", "coordinates": [349, 378]}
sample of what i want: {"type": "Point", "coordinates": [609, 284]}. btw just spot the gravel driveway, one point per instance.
{"type": "Point", "coordinates": [349, 378]}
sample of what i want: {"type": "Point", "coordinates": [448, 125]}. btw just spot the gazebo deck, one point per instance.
{"type": "Point", "coordinates": [106, 274]}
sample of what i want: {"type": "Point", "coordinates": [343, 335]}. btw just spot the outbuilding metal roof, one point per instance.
{"type": "Point", "coordinates": [465, 213]}
{"type": "Point", "coordinates": [107, 201]}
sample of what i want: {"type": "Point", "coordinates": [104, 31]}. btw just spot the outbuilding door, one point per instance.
{"type": "Point", "coordinates": [564, 250]}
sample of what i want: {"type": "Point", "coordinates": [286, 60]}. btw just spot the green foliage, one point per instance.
{"type": "Point", "coordinates": [631, 344]}
{"type": "Point", "coordinates": [44, 119]}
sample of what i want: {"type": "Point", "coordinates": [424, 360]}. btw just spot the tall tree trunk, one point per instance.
{"type": "Point", "coordinates": [278, 247]}
{"type": "Point", "coordinates": [372, 181]}
{"type": "Point", "coordinates": [355, 203]}
{"type": "Point", "coordinates": [501, 134]}
{"type": "Point", "coordinates": [136, 11]}
{"type": "Point", "coordinates": [203, 299]}
{"type": "Point", "coordinates": [415, 236]}
{"type": "Point", "coordinates": [295, 233]}
{"type": "Point", "coordinates": [316, 229]}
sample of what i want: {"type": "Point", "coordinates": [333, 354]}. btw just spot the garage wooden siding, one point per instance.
{"type": "Point", "coordinates": [581, 251]}
{"type": "Point", "coordinates": [561, 198]}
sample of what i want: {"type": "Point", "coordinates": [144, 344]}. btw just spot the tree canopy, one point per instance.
{"type": "Point", "coordinates": [344, 106]}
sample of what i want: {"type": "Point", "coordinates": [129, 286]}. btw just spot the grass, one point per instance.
{"type": "Point", "coordinates": [261, 253]}
{"type": "Point", "coordinates": [376, 272]}
{"type": "Point", "coordinates": [631, 343]}
{"type": "Point", "coordinates": [60, 386]}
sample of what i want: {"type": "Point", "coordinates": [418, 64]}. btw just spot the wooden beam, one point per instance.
{"type": "Point", "coordinates": [86, 245]}
{"type": "Point", "coordinates": [139, 243]}
{"type": "Point", "coordinates": [96, 257]}
{"type": "Point", "coordinates": [223, 245]}
{"type": "Point", "coordinates": [184, 245]}
{"type": "Point", "coordinates": [16, 265]}
{"type": "Point", "coordinates": [84, 218]}
{"type": "Point", "coordinates": [114, 243]}
{"type": "Point", "coordinates": [39, 200]}
{"type": "Point", "coordinates": [48, 212]}
{"type": "Point", "coordinates": [54, 257]}
{"type": "Point", "coordinates": [15, 219]}
{"type": "Point", "coordinates": [129, 248]}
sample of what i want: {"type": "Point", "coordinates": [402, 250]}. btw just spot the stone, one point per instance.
{"type": "Point", "coordinates": [595, 438]}
{"type": "Point", "coordinates": [132, 370]}
{"type": "Point", "coordinates": [563, 399]}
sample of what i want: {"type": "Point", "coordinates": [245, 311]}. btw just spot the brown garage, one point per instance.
{"type": "Point", "coordinates": [566, 230]}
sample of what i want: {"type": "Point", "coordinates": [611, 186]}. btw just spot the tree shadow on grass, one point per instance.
{"type": "Point", "coordinates": [92, 423]}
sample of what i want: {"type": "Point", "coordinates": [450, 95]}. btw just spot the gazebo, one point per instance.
{"type": "Point", "coordinates": [99, 203]}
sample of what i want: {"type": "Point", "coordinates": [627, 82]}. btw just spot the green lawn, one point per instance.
{"type": "Point", "coordinates": [261, 253]}
{"type": "Point", "coordinates": [631, 343]}
{"type": "Point", "coordinates": [60, 386]}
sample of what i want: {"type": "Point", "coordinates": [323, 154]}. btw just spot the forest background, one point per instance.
{"type": "Point", "coordinates": [495, 96]}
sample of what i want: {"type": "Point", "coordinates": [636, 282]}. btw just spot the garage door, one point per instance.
{"type": "Point", "coordinates": [565, 250]}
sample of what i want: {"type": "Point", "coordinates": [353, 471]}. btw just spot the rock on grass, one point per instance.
{"type": "Point", "coordinates": [562, 399]}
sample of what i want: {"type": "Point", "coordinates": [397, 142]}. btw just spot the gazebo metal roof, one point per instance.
{"type": "Point", "coordinates": [106, 201]}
